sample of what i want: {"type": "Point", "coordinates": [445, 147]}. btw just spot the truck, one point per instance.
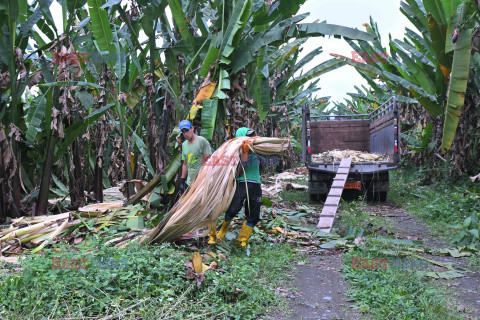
{"type": "Point", "coordinates": [376, 132]}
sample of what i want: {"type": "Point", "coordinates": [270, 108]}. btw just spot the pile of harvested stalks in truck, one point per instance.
{"type": "Point", "coordinates": [212, 191]}
{"type": "Point", "coordinates": [356, 156]}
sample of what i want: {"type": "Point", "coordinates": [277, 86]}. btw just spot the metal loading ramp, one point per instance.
{"type": "Point", "coordinates": [333, 199]}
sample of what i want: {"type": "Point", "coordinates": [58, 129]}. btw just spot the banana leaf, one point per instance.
{"type": "Point", "coordinates": [435, 8]}
{"type": "Point", "coordinates": [101, 31]}
{"type": "Point", "coordinates": [262, 87]}
{"type": "Point", "coordinates": [209, 114]}
{"type": "Point", "coordinates": [238, 19]}
{"type": "Point", "coordinates": [457, 87]}
{"type": "Point", "coordinates": [323, 29]}
{"type": "Point", "coordinates": [322, 68]}
{"type": "Point", "coordinates": [181, 22]}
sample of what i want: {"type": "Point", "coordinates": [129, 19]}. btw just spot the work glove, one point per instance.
{"type": "Point", "coordinates": [183, 185]}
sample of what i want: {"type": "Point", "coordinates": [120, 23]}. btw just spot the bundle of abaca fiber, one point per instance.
{"type": "Point", "coordinates": [212, 190]}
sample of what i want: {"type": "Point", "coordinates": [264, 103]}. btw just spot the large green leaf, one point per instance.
{"type": "Point", "coordinates": [308, 58]}
{"type": "Point", "coordinates": [35, 122]}
{"type": "Point", "coordinates": [101, 31]}
{"type": "Point", "coordinates": [181, 22]}
{"type": "Point", "coordinates": [121, 60]}
{"type": "Point", "coordinates": [457, 87]}
{"type": "Point", "coordinates": [32, 20]}
{"type": "Point", "coordinates": [212, 55]}
{"type": "Point", "coordinates": [75, 4]}
{"type": "Point", "coordinates": [420, 56]}
{"type": "Point", "coordinates": [325, 29]}
{"type": "Point", "coordinates": [322, 68]}
{"type": "Point", "coordinates": [236, 24]}
{"type": "Point", "coordinates": [223, 84]}
{"type": "Point", "coordinates": [417, 72]}
{"type": "Point", "coordinates": [438, 32]}
{"type": "Point", "coordinates": [71, 83]}
{"type": "Point", "coordinates": [262, 88]}
{"type": "Point", "coordinates": [284, 53]}
{"type": "Point", "coordinates": [435, 8]}
{"type": "Point", "coordinates": [144, 151]}
{"type": "Point", "coordinates": [288, 8]}
{"type": "Point", "coordinates": [450, 7]}
{"type": "Point", "coordinates": [209, 114]}
{"type": "Point", "coordinates": [416, 14]}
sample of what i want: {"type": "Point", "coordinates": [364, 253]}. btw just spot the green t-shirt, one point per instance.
{"type": "Point", "coordinates": [192, 153]}
{"type": "Point", "coordinates": [252, 170]}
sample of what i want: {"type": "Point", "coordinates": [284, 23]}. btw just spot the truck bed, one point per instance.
{"type": "Point", "coordinates": [356, 167]}
{"type": "Point", "coordinates": [375, 133]}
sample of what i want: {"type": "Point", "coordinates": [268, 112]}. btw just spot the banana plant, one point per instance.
{"type": "Point", "coordinates": [432, 63]}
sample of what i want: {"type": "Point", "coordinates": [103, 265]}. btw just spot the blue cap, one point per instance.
{"type": "Point", "coordinates": [185, 124]}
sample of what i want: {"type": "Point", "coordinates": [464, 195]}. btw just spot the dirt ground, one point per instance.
{"type": "Point", "coordinates": [319, 290]}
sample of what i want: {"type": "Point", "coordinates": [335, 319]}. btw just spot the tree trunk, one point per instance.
{"type": "Point", "coordinates": [77, 175]}
{"type": "Point", "coordinates": [42, 200]}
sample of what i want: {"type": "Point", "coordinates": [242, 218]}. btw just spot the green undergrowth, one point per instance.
{"type": "Point", "coordinates": [451, 208]}
{"type": "Point", "coordinates": [387, 280]}
{"type": "Point", "coordinates": [393, 293]}
{"type": "Point", "coordinates": [354, 221]}
{"type": "Point", "coordinates": [145, 282]}
{"type": "Point", "coordinates": [300, 196]}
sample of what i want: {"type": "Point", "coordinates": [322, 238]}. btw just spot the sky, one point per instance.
{"type": "Point", "coordinates": [349, 13]}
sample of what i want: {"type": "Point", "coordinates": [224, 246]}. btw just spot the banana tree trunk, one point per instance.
{"type": "Point", "coordinates": [170, 172]}
{"type": "Point", "coordinates": [42, 200]}
{"type": "Point", "coordinates": [77, 175]}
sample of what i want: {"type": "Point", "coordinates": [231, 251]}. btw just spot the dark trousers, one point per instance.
{"type": "Point", "coordinates": [252, 204]}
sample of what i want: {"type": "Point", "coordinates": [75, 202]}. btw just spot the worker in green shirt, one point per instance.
{"type": "Point", "coordinates": [249, 180]}
{"type": "Point", "coordinates": [195, 151]}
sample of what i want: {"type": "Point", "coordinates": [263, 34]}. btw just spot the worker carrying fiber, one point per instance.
{"type": "Point", "coordinates": [195, 151]}
{"type": "Point", "coordinates": [249, 179]}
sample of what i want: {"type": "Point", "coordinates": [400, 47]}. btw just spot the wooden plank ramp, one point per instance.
{"type": "Point", "coordinates": [333, 199]}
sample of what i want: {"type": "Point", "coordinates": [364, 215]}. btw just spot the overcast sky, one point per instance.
{"type": "Point", "coordinates": [349, 13]}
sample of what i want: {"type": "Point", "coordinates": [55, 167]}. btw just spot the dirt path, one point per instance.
{"type": "Point", "coordinates": [321, 294]}
{"type": "Point", "coordinates": [467, 288]}
{"type": "Point", "coordinates": [321, 290]}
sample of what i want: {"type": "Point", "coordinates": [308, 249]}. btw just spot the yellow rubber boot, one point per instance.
{"type": "Point", "coordinates": [212, 236]}
{"type": "Point", "coordinates": [223, 230]}
{"type": "Point", "coordinates": [245, 234]}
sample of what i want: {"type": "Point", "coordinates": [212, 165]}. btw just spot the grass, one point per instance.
{"type": "Point", "coordinates": [354, 221]}
{"type": "Point", "coordinates": [150, 284]}
{"type": "Point", "coordinates": [148, 281]}
{"type": "Point", "coordinates": [444, 204]}
{"type": "Point", "coordinates": [300, 196]}
{"type": "Point", "coordinates": [393, 293]}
